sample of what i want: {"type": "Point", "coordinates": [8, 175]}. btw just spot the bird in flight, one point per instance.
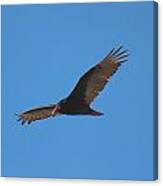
{"type": "Point", "coordinates": [85, 91]}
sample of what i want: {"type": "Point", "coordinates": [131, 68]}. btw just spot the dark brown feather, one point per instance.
{"type": "Point", "coordinates": [93, 81]}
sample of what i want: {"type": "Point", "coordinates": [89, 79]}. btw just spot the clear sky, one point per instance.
{"type": "Point", "coordinates": [45, 50]}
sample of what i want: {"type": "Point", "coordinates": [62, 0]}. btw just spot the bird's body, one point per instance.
{"type": "Point", "coordinates": [86, 90]}
{"type": "Point", "coordinates": [71, 108]}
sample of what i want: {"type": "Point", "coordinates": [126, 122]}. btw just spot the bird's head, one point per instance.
{"type": "Point", "coordinates": [56, 110]}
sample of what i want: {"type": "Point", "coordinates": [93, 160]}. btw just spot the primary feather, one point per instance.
{"type": "Point", "coordinates": [94, 81]}
{"type": "Point", "coordinates": [34, 114]}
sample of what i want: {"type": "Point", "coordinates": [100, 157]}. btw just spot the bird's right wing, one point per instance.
{"type": "Point", "coordinates": [93, 81]}
{"type": "Point", "coordinates": [34, 114]}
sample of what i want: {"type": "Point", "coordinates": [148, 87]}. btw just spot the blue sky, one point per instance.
{"type": "Point", "coordinates": [45, 50]}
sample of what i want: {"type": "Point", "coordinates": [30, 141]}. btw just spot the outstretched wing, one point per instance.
{"type": "Point", "coordinates": [93, 81]}
{"type": "Point", "coordinates": [38, 113]}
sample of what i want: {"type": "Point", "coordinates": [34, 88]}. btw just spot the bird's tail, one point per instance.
{"type": "Point", "coordinates": [96, 113]}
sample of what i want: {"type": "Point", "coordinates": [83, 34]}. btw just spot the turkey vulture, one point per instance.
{"type": "Point", "coordinates": [86, 90]}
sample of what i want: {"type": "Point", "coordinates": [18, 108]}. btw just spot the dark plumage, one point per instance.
{"type": "Point", "coordinates": [86, 90]}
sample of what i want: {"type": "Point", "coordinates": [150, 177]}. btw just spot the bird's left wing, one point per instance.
{"type": "Point", "coordinates": [34, 114]}
{"type": "Point", "coordinates": [93, 81]}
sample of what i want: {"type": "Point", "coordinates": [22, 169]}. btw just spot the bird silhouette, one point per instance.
{"type": "Point", "coordinates": [85, 91]}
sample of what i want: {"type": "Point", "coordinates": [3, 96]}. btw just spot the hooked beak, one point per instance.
{"type": "Point", "coordinates": [55, 110]}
